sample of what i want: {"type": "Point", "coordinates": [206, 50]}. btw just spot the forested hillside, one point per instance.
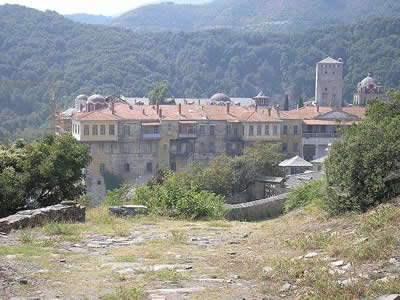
{"type": "Point", "coordinates": [91, 59]}
{"type": "Point", "coordinates": [270, 15]}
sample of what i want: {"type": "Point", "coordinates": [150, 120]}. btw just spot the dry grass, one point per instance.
{"type": "Point", "coordinates": [242, 251]}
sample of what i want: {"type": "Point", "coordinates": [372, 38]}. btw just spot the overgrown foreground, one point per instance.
{"type": "Point", "coordinates": [300, 255]}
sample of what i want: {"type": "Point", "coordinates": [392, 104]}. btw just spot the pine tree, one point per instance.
{"type": "Point", "coordinates": [301, 102]}
{"type": "Point", "coordinates": [286, 104]}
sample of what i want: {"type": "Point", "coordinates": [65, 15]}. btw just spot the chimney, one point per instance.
{"type": "Point", "coordinates": [256, 109]}
{"type": "Point", "coordinates": [130, 107]}
{"type": "Point", "coordinates": [317, 108]}
{"type": "Point", "coordinates": [199, 101]}
{"type": "Point", "coordinates": [277, 110]}
{"type": "Point", "coordinates": [87, 107]}
{"type": "Point", "coordinates": [143, 112]}
{"type": "Point", "coordinates": [160, 113]}
{"type": "Point", "coordinates": [228, 107]}
{"type": "Point", "coordinates": [81, 107]}
{"type": "Point", "coordinates": [157, 107]}
{"type": "Point", "coordinates": [112, 107]}
{"type": "Point", "coordinates": [180, 108]}
{"type": "Point", "coordinates": [269, 112]}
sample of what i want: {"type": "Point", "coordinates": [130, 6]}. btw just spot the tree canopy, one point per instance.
{"type": "Point", "coordinates": [42, 173]}
{"type": "Point", "coordinates": [363, 169]}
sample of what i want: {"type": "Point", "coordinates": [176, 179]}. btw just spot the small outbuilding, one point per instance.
{"type": "Point", "coordinates": [318, 163]}
{"type": "Point", "coordinates": [295, 165]}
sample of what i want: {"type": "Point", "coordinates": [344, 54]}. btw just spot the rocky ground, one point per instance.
{"type": "Point", "coordinates": [304, 254]}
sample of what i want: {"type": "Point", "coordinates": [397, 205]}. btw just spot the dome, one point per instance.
{"type": "Point", "coordinates": [219, 97]}
{"type": "Point", "coordinates": [367, 81]}
{"type": "Point", "coordinates": [81, 98]}
{"type": "Point", "coordinates": [96, 99]}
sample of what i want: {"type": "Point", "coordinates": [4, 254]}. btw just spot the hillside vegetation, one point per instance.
{"type": "Point", "coordinates": [89, 59]}
{"type": "Point", "coordinates": [271, 15]}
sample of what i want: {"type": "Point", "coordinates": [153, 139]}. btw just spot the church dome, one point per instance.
{"type": "Point", "coordinates": [96, 99]}
{"type": "Point", "coordinates": [81, 98]}
{"type": "Point", "coordinates": [220, 97]}
{"type": "Point", "coordinates": [367, 81]}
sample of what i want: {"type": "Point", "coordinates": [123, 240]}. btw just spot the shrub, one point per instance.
{"type": "Point", "coordinates": [305, 194]}
{"type": "Point", "coordinates": [175, 199]}
{"type": "Point", "coordinates": [358, 168]}
{"type": "Point", "coordinates": [117, 196]}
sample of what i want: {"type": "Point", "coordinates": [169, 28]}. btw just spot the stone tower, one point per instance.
{"type": "Point", "coordinates": [329, 83]}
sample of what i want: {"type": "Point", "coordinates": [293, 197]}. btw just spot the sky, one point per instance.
{"type": "Point", "coordinates": [99, 7]}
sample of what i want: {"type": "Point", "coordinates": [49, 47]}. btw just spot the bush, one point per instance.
{"type": "Point", "coordinates": [176, 199]}
{"type": "Point", "coordinates": [358, 167]}
{"type": "Point", "coordinates": [305, 194]}
{"type": "Point", "coordinates": [116, 196]}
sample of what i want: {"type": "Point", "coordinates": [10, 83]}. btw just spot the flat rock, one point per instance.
{"type": "Point", "coordinates": [127, 210]}
{"type": "Point", "coordinates": [286, 287]}
{"type": "Point", "coordinates": [177, 290]}
{"type": "Point", "coordinates": [389, 297]}
{"type": "Point", "coordinates": [311, 255]}
{"type": "Point", "coordinates": [337, 263]}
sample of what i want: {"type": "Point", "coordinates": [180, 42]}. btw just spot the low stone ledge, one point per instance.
{"type": "Point", "coordinates": [66, 211]}
{"type": "Point", "coordinates": [127, 210]}
{"type": "Point", "coordinates": [257, 210]}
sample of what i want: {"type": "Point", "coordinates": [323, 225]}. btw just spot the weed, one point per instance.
{"type": "Point", "coordinates": [375, 247]}
{"type": "Point", "coordinates": [119, 230]}
{"type": "Point", "coordinates": [165, 275]}
{"type": "Point", "coordinates": [125, 258]}
{"type": "Point", "coordinates": [126, 294]}
{"type": "Point", "coordinates": [177, 236]}
{"type": "Point", "coordinates": [380, 218]}
{"type": "Point", "coordinates": [310, 242]}
{"type": "Point", "coordinates": [219, 224]}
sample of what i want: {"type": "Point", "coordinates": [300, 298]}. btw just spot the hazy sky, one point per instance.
{"type": "Point", "coordinates": [103, 7]}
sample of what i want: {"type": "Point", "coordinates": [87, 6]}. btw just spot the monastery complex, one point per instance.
{"type": "Point", "coordinates": [132, 139]}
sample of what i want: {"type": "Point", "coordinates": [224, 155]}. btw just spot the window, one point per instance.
{"type": "Point", "coordinates": [126, 167]}
{"type": "Point", "coordinates": [285, 130]}
{"type": "Point", "coordinates": [173, 166]}
{"type": "Point", "coordinates": [149, 167]}
{"type": "Point", "coordinates": [202, 129]}
{"type": "Point", "coordinates": [229, 130]}
{"type": "Point", "coordinates": [251, 130]}
{"type": "Point", "coordinates": [236, 132]}
{"type": "Point", "coordinates": [179, 148]}
{"type": "Point", "coordinates": [156, 129]}
{"type": "Point", "coordinates": [323, 128]}
{"type": "Point", "coordinates": [242, 130]}
{"type": "Point", "coordinates": [295, 147]}
{"type": "Point", "coordinates": [259, 129]}
{"type": "Point", "coordinates": [79, 129]}
{"type": "Point", "coordinates": [127, 130]}
{"type": "Point", "coordinates": [275, 130]}
{"type": "Point", "coordinates": [101, 168]}
{"type": "Point", "coordinates": [190, 129]}
{"type": "Point", "coordinates": [212, 129]}
{"type": "Point", "coordinates": [295, 130]}
{"type": "Point", "coordinates": [111, 129]}
{"type": "Point", "coordinates": [86, 129]}
{"type": "Point", "coordinates": [266, 129]}
{"type": "Point", "coordinates": [102, 129]}
{"type": "Point", "coordinates": [94, 129]}
{"type": "Point", "coordinates": [284, 147]}
{"type": "Point", "coordinates": [169, 129]}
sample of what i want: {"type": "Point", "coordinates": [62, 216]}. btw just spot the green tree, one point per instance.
{"type": "Point", "coordinates": [286, 104]}
{"type": "Point", "coordinates": [301, 102]}
{"type": "Point", "coordinates": [158, 94]}
{"type": "Point", "coordinates": [42, 173]}
{"type": "Point", "coordinates": [359, 167]}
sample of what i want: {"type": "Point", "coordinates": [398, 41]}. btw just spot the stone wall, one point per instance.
{"type": "Point", "coordinates": [66, 211]}
{"type": "Point", "coordinates": [257, 210]}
